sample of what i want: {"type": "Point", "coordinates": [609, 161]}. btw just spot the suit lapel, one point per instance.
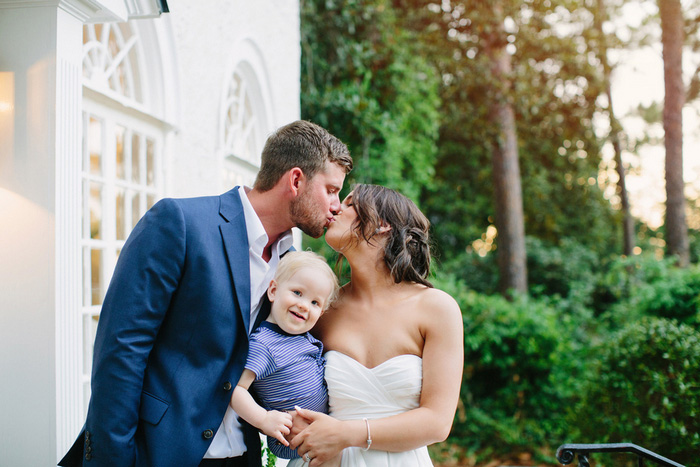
{"type": "Point", "coordinates": [235, 238]}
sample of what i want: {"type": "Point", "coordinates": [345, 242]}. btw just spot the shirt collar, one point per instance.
{"type": "Point", "coordinates": [276, 328]}
{"type": "Point", "coordinates": [257, 237]}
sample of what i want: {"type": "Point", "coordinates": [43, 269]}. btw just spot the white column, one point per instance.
{"type": "Point", "coordinates": [40, 108]}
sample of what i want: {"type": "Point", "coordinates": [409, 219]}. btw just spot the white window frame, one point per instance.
{"type": "Point", "coordinates": [112, 115]}
{"type": "Point", "coordinates": [248, 65]}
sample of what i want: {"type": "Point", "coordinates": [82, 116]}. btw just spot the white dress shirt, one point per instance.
{"type": "Point", "coordinates": [228, 440]}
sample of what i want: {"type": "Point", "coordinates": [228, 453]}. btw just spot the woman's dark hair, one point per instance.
{"type": "Point", "coordinates": [407, 250]}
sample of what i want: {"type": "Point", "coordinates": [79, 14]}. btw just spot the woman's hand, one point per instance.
{"type": "Point", "coordinates": [299, 424]}
{"type": "Point", "coordinates": [322, 440]}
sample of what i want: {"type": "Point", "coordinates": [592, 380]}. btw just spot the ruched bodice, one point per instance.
{"type": "Point", "coordinates": [388, 389]}
{"type": "Point", "coordinates": [391, 388]}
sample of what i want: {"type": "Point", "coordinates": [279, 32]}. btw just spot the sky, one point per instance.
{"type": "Point", "coordinates": [638, 79]}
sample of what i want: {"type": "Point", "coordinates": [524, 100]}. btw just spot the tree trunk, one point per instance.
{"type": "Point", "coordinates": [615, 130]}
{"type": "Point", "coordinates": [506, 169]}
{"type": "Point", "coordinates": [672, 41]}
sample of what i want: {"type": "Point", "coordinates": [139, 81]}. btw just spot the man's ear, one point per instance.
{"type": "Point", "coordinates": [271, 290]}
{"type": "Point", "coordinates": [295, 179]}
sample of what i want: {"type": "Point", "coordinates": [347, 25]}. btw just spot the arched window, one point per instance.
{"type": "Point", "coordinates": [241, 133]}
{"type": "Point", "coordinates": [245, 117]}
{"type": "Point", "coordinates": [122, 157]}
{"type": "Point", "coordinates": [110, 59]}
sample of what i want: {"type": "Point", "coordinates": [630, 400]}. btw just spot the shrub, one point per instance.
{"type": "Point", "coordinates": [645, 286]}
{"type": "Point", "coordinates": [512, 395]}
{"type": "Point", "coordinates": [676, 295]}
{"type": "Point", "coordinates": [645, 390]}
{"type": "Point", "coordinates": [562, 270]}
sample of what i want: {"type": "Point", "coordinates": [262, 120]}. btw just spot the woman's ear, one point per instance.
{"type": "Point", "coordinates": [383, 228]}
{"type": "Point", "coordinates": [271, 290]}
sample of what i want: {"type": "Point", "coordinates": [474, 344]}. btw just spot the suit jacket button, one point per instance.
{"type": "Point", "coordinates": [227, 386]}
{"type": "Point", "coordinates": [207, 434]}
{"type": "Point", "coordinates": [87, 434]}
{"type": "Point", "coordinates": [88, 449]}
{"type": "Point", "coordinates": [88, 456]}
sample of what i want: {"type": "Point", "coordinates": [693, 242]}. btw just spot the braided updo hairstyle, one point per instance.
{"type": "Point", "coordinates": [407, 250]}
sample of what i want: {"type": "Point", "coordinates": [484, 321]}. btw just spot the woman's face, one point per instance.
{"type": "Point", "coordinates": [340, 231]}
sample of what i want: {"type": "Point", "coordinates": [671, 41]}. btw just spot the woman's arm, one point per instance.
{"type": "Point", "coordinates": [272, 423]}
{"type": "Point", "coordinates": [443, 361]}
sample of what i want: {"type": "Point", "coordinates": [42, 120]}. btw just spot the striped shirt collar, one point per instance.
{"type": "Point", "coordinates": [276, 328]}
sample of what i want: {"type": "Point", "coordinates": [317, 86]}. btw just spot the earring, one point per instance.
{"type": "Point", "coordinates": [377, 230]}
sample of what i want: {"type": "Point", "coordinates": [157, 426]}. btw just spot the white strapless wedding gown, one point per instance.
{"type": "Point", "coordinates": [356, 392]}
{"type": "Point", "coordinates": [391, 388]}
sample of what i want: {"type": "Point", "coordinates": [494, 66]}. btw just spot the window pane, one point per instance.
{"type": "Point", "coordinates": [89, 330]}
{"type": "Point", "coordinates": [95, 210]}
{"type": "Point", "coordinates": [151, 201]}
{"type": "Point", "coordinates": [135, 209]}
{"type": "Point", "coordinates": [94, 144]}
{"type": "Point", "coordinates": [136, 158]}
{"type": "Point", "coordinates": [86, 277]}
{"type": "Point", "coordinates": [97, 281]}
{"type": "Point", "coordinates": [150, 161]}
{"type": "Point", "coordinates": [121, 214]}
{"type": "Point", "coordinates": [119, 142]}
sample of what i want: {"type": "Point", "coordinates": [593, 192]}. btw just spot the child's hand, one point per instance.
{"type": "Point", "coordinates": [277, 424]}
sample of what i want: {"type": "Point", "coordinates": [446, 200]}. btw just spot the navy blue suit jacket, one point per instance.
{"type": "Point", "coordinates": [171, 341]}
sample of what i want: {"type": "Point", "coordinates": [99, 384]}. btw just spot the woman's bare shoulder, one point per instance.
{"type": "Point", "coordinates": [440, 306]}
{"type": "Point", "coordinates": [439, 298]}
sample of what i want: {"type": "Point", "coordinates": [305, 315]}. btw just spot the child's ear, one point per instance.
{"type": "Point", "coordinates": [271, 289]}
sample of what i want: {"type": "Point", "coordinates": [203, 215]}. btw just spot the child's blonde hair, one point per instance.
{"type": "Point", "coordinates": [291, 262]}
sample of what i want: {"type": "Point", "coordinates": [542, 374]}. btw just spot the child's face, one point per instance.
{"type": "Point", "coordinates": [298, 302]}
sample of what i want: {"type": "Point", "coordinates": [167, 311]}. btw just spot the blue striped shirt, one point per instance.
{"type": "Point", "coordinates": [289, 371]}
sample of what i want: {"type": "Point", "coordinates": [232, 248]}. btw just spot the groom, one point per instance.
{"type": "Point", "coordinates": [187, 290]}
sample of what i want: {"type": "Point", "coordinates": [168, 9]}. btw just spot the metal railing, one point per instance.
{"type": "Point", "coordinates": [567, 452]}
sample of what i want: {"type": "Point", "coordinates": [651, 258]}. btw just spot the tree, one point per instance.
{"type": "Point", "coordinates": [554, 85]}
{"type": "Point", "coordinates": [615, 132]}
{"type": "Point", "coordinates": [506, 168]}
{"type": "Point", "coordinates": [672, 37]}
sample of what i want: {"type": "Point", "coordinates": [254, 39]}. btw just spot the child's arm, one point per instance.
{"type": "Point", "coordinates": [272, 423]}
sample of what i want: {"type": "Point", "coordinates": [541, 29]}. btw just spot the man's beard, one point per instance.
{"type": "Point", "coordinates": [303, 211]}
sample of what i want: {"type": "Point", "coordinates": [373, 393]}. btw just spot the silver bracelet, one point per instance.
{"type": "Point", "coordinates": [369, 436]}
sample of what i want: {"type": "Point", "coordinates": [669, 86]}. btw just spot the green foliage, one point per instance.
{"type": "Point", "coordinates": [676, 295]}
{"type": "Point", "coordinates": [407, 85]}
{"type": "Point", "coordinates": [556, 85]}
{"type": "Point", "coordinates": [560, 270]}
{"type": "Point", "coordinates": [645, 389]}
{"type": "Point", "coordinates": [365, 79]}
{"type": "Point", "coordinates": [642, 285]}
{"type": "Point", "coordinates": [268, 457]}
{"type": "Point", "coordinates": [515, 356]}
{"type": "Point", "coordinates": [479, 273]}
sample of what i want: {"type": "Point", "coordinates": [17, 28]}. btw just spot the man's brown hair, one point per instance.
{"type": "Point", "coordinates": [299, 144]}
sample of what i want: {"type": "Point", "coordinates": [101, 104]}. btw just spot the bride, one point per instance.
{"type": "Point", "coordinates": [395, 345]}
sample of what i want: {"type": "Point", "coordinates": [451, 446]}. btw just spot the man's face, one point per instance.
{"type": "Point", "coordinates": [318, 200]}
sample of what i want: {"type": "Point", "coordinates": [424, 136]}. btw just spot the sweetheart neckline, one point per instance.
{"type": "Point", "coordinates": [376, 366]}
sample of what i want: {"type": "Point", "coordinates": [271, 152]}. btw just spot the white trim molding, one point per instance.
{"type": "Point", "coordinates": [95, 11]}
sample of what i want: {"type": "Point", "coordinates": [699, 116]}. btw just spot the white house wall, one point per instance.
{"type": "Point", "coordinates": [40, 212]}
{"type": "Point", "coordinates": [207, 34]}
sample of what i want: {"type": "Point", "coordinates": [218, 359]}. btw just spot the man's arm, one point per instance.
{"type": "Point", "coordinates": [146, 276]}
{"type": "Point", "coordinates": [272, 423]}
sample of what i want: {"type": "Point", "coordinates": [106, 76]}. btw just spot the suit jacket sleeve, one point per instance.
{"type": "Point", "coordinates": [145, 279]}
